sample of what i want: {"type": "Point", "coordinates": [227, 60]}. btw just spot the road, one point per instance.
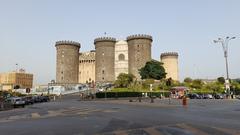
{"type": "Point", "coordinates": [69, 116]}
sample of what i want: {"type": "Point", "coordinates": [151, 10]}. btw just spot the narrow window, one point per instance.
{"type": "Point", "coordinates": [121, 57]}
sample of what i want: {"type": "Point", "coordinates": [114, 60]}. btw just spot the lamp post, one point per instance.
{"type": "Point", "coordinates": [224, 43]}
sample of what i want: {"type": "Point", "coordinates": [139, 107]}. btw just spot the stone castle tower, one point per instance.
{"type": "Point", "coordinates": [139, 52]}
{"type": "Point", "coordinates": [104, 70]}
{"type": "Point", "coordinates": [67, 61]}
{"type": "Point", "coordinates": [170, 63]}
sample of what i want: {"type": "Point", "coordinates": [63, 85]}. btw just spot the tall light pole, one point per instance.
{"type": "Point", "coordinates": [224, 43]}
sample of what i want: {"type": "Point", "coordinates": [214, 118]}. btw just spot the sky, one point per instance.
{"type": "Point", "coordinates": [30, 28]}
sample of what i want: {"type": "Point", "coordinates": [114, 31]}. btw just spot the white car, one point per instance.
{"type": "Point", "coordinates": [16, 101]}
{"type": "Point", "coordinates": [100, 90]}
{"type": "Point", "coordinates": [208, 96]}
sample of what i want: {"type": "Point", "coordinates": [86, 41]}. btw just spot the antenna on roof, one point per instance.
{"type": "Point", "coordinates": [16, 67]}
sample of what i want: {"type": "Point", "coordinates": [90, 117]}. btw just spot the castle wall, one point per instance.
{"type": "Point", "coordinates": [121, 58]}
{"type": "Point", "coordinates": [87, 67]}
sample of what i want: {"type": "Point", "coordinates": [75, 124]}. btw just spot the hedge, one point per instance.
{"type": "Point", "coordinates": [129, 94]}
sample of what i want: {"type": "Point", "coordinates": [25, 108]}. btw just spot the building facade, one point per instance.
{"type": "Point", "coordinates": [67, 68]}
{"type": "Point", "coordinates": [21, 80]}
{"type": "Point", "coordinates": [121, 58]}
{"type": "Point", "coordinates": [87, 67]}
{"type": "Point", "coordinates": [109, 59]}
{"type": "Point", "coordinates": [170, 64]}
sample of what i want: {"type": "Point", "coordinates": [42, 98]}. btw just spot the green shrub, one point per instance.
{"type": "Point", "coordinates": [129, 94]}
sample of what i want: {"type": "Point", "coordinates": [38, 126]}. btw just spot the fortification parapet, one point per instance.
{"type": "Point", "coordinates": [104, 39]}
{"type": "Point", "coordinates": [67, 42]}
{"type": "Point", "coordinates": [169, 54]}
{"type": "Point", "coordinates": [139, 36]}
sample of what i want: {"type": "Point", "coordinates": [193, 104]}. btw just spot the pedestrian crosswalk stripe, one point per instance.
{"type": "Point", "coordinates": [35, 115]}
{"type": "Point", "coordinates": [193, 130]}
{"type": "Point", "coordinates": [152, 131]}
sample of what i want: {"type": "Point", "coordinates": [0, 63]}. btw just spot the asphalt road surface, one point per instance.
{"type": "Point", "coordinates": [69, 116]}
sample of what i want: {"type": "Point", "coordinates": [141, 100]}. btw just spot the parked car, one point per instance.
{"type": "Point", "coordinates": [28, 100]}
{"type": "Point", "coordinates": [207, 96]}
{"type": "Point", "coordinates": [218, 96]}
{"type": "Point", "coordinates": [16, 101]}
{"type": "Point", "coordinates": [37, 99]}
{"type": "Point", "coordinates": [100, 90]}
{"type": "Point", "coordinates": [201, 96]}
{"type": "Point", "coordinates": [44, 98]}
{"type": "Point", "coordinates": [194, 96]}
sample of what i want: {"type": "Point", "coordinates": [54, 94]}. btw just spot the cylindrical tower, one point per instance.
{"type": "Point", "coordinates": [170, 63]}
{"type": "Point", "coordinates": [104, 57]}
{"type": "Point", "coordinates": [139, 52]}
{"type": "Point", "coordinates": [67, 62]}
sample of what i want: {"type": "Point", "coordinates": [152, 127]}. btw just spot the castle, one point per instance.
{"type": "Point", "coordinates": [110, 58]}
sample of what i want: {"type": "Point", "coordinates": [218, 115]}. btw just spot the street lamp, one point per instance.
{"type": "Point", "coordinates": [224, 43]}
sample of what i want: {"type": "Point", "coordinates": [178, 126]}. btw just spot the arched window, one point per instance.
{"type": "Point", "coordinates": [121, 57]}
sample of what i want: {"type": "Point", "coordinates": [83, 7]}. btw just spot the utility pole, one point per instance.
{"type": "Point", "coordinates": [224, 43]}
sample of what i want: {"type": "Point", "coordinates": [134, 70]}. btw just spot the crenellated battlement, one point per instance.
{"type": "Point", "coordinates": [139, 36]}
{"type": "Point", "coordinates": [169, 54]}
{"type": "Point", "coordinates": [67, 42]}
{"type": "Point", "coordinates": [104, 39]}
{"type": "Point", "coordinates": [87, 56]}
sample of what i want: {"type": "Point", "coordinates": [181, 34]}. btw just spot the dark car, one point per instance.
{"type": "Point", "coordinates": [45, 98]}
{"type": "Point", "coordinates": [37, 99]}
{"type": "Point", "coordinates": [218, 96]}
{"type": "Point", "coordinates": [194, 96]}
{"type": "Point", "coordinates": [28, 100]}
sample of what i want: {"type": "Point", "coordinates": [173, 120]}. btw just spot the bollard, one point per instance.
{"type": "Point", "coordinates": [139, 99]}
{"type": "Point", "coordinates": [2, 106]}
{"type": "Point", "coordinates": [152, 101]}
{"type": "Point", "coordinates": [184, 101]}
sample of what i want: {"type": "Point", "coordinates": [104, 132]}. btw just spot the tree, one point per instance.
{"type": "Point", "coordinates": [197, 83]}
{"type": "Point", "coordinates": [221, 80]}
{"type": "Point", "coordinates": [123, 80]}
{"type": "Point", "coordinates": [215, 87]}
{"type": "Point", "coordinates": [153, 70]}
{"type": "Point", "coordinates": [169, 81]}
{"type": "Point", "coordinates": [16, 87]}
{"type": "Point", "coordinates": [237, 80]}
{"type": "Point", "coordinates": [235, 87]}
{"type": "Point", "coordinates": [188, 80]}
